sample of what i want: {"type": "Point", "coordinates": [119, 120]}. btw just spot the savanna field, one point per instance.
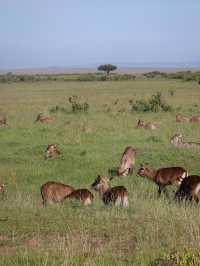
{"type": "Point", "coordinates": [91, 143]}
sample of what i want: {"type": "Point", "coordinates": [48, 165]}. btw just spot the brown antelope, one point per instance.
{"type": "Point", "coordinates": [55, 192]}
{"type": "Point", "coordinates": [52, 151]}
{"type": "Point", "coordinates": [195, 118]}
{"type": "Point", "coordinates": [83, 195]}
{"type": "Point", "coordinates": [189, 188]}
{"type": "Point", "coordinates": [44, 119]}
{"type": "Point", "coordinates": [163, 176]}
{"type": "Point", "coordinates": [182, 119]}
{"type": "Point", "coordinates": [147, 125]}
{"type": "Point", "coordinates": [127, 161]}
{"type": "Point", "coordinates": [2, 188]}
{"type": "Point", "coordinates": [115, 196]}
{"type": "Point", "coordinates": [3, 120]}
{"type": "Point", "coordinates": [177, 141]}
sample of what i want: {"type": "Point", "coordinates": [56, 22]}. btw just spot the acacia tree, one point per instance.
{"type": "Point", "coordinates": [107, 68]}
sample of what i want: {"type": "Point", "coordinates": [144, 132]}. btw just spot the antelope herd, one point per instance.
{"type": "Point", "coordinates": [188, 185]}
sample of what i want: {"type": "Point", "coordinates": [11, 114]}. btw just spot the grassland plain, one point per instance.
{"type": "Point", "coordinates": [97, 235]}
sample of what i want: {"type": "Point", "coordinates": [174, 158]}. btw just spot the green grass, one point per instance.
{"type": "Point", "coordinates": [72, 234]}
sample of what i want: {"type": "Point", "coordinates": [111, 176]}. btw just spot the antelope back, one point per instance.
{"type": "Point", "coordinates": [127, 161]}
{"type": "Point", "coordinates": [195, 118]}
{"type": "Point", "coordinates": [171, 175]}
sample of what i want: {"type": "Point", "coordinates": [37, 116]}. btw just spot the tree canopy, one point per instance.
{"type": "Point", "coordinates": [107, 68]}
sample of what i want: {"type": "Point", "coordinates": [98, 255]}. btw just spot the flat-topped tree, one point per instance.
{"type": "Point", "coordinates": [107, 68]}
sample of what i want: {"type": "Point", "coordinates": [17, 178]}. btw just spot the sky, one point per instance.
{"type": "Point", "coordinates": [86, 33]}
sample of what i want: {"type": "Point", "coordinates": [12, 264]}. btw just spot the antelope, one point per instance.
{"type": "Point", "coordinates": [127, 161]}
{"type": "Point", "coordinates": [44, 119]}
{"type": "Point", "coordinates": [3, 120]}
{"type": "Point", "coordinates": [163, 176]}
{"type": "Point", "coordinates": [181, 119]}
{"type": "Point", "coordinates": [52, 151]}
{"type": "Point", "coordinates": [83, 195]}
{"type": "Point", "coordinates": [195, 118]}
{"type": "Point", "coordinates": [189, 188]}
{"type": "Point", "coordinates": [2, 188]}
{"type": "Point", "coordinates": [177, 141]}
{"type": "Point", "coordinates": [147, 125]}
{"type": "Point", "coordinates": [55, 192]}
{"type": "Point", "coordinates": [115, 196]}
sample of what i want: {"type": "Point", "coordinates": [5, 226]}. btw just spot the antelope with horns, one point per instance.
{"type": "Point", "coordinates": [127, 161]}
{"type": "Point", "coordinates": [147, 125]}
{"type": "Point", "coordinates": [3, 120]}
{"type": "Point", "coordinates": [195, 118]}
{"type": "Point", "coordinates": [163, 176]}
{"type": "Point", "coordinates": [55, 192]}
{"type": "Point", "coordinates": [52, 151]}
{"type": "Point", "coordinates": [110, 195]}
{"type": "Point", "coordinates": [189, 188]}
{"type": "Point", "coordinates": [44, 119]}
{"type": "Point", "coordinates": [83, 195]}
{"type": "Point", "coordinates": [177, 141]}
{"type": "Point", "coordinates": [182, 119]}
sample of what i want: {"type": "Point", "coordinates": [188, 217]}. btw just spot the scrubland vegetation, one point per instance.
{"type": "Point", "coordinates": [92, 130]}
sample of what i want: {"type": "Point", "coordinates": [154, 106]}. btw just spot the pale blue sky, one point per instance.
{"type": "Point", "coordinates": [62, 33]}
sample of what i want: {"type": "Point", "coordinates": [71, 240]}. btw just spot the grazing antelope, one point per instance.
{"type": "Point", "coordinates": [163, 176]}
{"type": "Point", "coordinates": [83, 195]}
{"type": "Point", "coordinates": [52, 151]}
{"type": "Point", "coordinates": [195, 118]}
{"type": "Point", "coordinates": [147, 125]}
{"type": "Point", "coordinates": [44, 119]}
{"type": "Point", "coordinates": [127, 161]}
{"type": "Point", "coordinates": [177, 141]}
{"type": "Point", "coordinates": [3, 120]}
{"type": "Point", "coordinates": [115, 196]}
{"type": "Point", "coordinates": [55, 192]}
{"type": "Point", "coordinates": [182, 119]}
{"type": "Point", "coordinates": [189, 188]}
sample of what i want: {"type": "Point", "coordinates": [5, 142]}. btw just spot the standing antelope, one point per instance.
{"type": "Point", "coordinates": [52, 151]}
{"type": "Point", "coordinates": [83, 195]}
{"type": "Point", "coordinates": [127, 161]}
{"type": "Point", "coordinates": [195, 118]}
{"type": "Point", "coordinates": [177, 141]}
{"type": "Point", "coordinates": [44, 119]}
{"type": "Point", "coordinates": [115, 196]}
{"type": "Point", "coordinates": [147, 125]}
{"type": "Point", "coordinates": [3, 120]}
{"type": "Point", "coordinates": [53, 192]}
{"type": "Point", "coordinates": [181, 118]}
{"type": "Point", "coordinates": [189, 188]}
{"type": "Point", "coordinates": [163, 176]}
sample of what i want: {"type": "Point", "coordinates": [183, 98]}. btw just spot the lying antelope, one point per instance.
{"type": "Point", "coordinates": [195, 118]}
{"type": "Point", "coordinates": [115, 196]}
{"type": "Point", "coordinates": [55, 192]}
{"type": "Point", "coordinates": [52, 151]}
{"type": "Point", "coordinates": [147, 125]}
{"type": "Point", "coordinates": [3, 120]}
{"type": "Point", "coordinates": [83, 195]}
{"type": "Point", "coordinates": [189, 188]}
{"type": "Point", "coordinates": [127, 161]}
{"type": "Point", "coordinates": [182, 119]}
{"type": "Point", "coordinates": [44, 119]}
{"type": "Point", "coordinates": [177, 141]}
{"type": "Point", "coordinates": [163, 176]}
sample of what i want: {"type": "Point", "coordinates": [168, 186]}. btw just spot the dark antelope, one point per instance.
{"type": "Point", "coordinates": [182, 119]}
{"type": "Point", "coordinates": [147, 125]}
{"type": "Point", "coordinates": [52, 151]}
{"type": "Point", "coordinates": [177, 141]}
{"type": "Point", "coordinates": [189, 188]}
{"type": "Point", "coordinates": [163, 176]}
{"type": "Point", "coordinates": [44, 119]}
{"type": "Point", "coordinates": [115, 196]}
{"type": "Point", "coordinates": [127, 161]}
{"type": "Point", "coordinates": [83, 195]}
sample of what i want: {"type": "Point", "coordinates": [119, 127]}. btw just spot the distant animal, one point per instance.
{"type": "Point", "coordinates": [147, 125]}
{"type": "Point", "coordinates": [3, 120]}
{"type": "Point", "coordinates": [52, 151]}
{"type": "Point", "coordinates": [110, 195]}
{"type": "Point", "coordinates": [127, 161]}
{"type": "Point", "coordinates": [189, 188]}
{"type": "Point", "coordinates": [44, 119]}
{"type": "Point", "coordinates": [163, 176]}
{"type": "Point", "coordinates": [182, 119]}
{"type": "Point", "coordinates": [2, 188]}
{"type": "Point", "coordinates": [177, 141]}
{"type": "Point", "coordinates": [55, 192]}
{"type": "Point", "coordinates": [195, 118]}
{"type": "Point", "coordinates": [83, 195]}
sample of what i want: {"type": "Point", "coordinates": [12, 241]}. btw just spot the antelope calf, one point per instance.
{"type": "Point", "coordinates": [195, 118]}
{"type": "Point", "coordinates": [147, 125]}
{"type": "Point", "coordinates": [115, 196]}
{"type": "Point", "coordinates": [163, 176]}
{"type": "Point", "coordinates": [177, 141]}
{"type": "Point", "coordinates": [182, 119]}
{"type": "Point", "coordinates": [127, 161]}
{"type": "Point", "coordinates": [44, 119]}
{"type": "Point", "coordinates": [55, 192]}
{"type": "Point", "coordinates": [52, 151]}
{"type": "Point", "coordinates": [3, 120]}
{"type": "Point", "coordinates": [83, 195]}
{"type": "Point", "coordinates": [189, 188]}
